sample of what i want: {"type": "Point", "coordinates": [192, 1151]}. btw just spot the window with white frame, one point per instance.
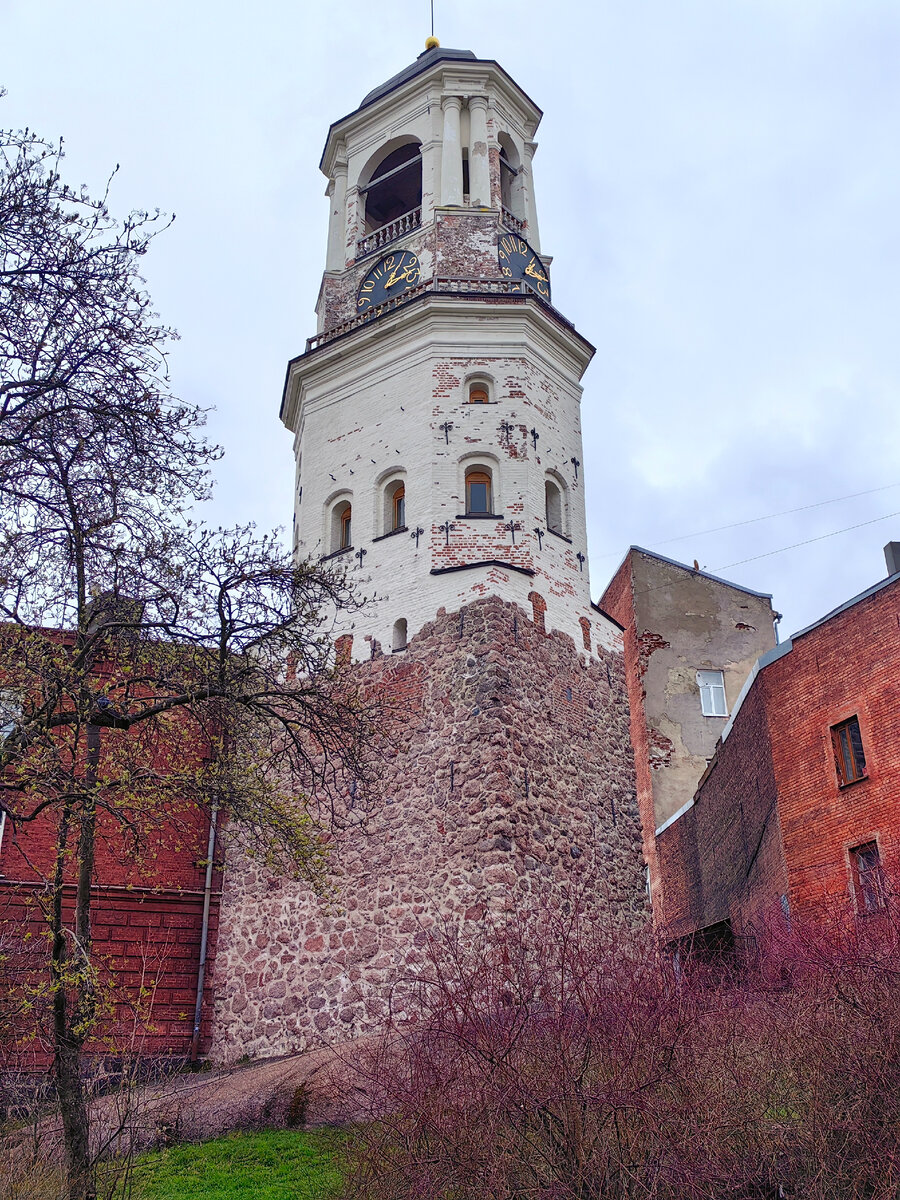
{"type": "Point", "coordinates": [712, 693]}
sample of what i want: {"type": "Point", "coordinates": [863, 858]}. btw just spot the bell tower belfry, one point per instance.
{"type": "Point", "coordinates": [436, 410]}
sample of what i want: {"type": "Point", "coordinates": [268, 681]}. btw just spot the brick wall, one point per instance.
{"type": "Point", "coordinates": [513, 785]}
{"type": "Point", "coordinates": [771, 829]}
{"type": "Point", "coordinates": [722, 859]}
{"type": "Point", "coordinates": [847, 666]}
{"type": "Point", "coordinates": [146, 910]}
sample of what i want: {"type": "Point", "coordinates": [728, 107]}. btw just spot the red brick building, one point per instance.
{"type": "Point", "coordinates": [147, 915]}
{"type": "Point", "coordinates": [798, 813]}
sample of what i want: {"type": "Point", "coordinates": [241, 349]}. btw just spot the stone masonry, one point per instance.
{"type": "Point", "coordinates": [512, 788]}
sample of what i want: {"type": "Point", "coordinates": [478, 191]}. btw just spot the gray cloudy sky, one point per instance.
{"type": "Point", "coordinates": [718, 182]}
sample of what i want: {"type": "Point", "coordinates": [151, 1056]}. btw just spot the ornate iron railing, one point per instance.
{"type": "Point", "coordinates": [477, 286]}
{"type": "Point", "coordinates": [388, 233]}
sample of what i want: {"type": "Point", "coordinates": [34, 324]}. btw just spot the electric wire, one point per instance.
{"type": "Point", "coordinates": [682, 537]}
{"type": "Point", "coordinates": [806, 541]}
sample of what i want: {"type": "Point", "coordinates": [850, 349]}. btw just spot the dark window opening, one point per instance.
{"type": "Point", "coordinates": [868, 878]}
{"type": "Point", "coordinates": [478, 492]}
{"type": "Point", "coordinates": [465, 172]}
{"type": "Point", "coordinates": [396, 187]}
{"type": "Point", "coordinates": [848, 751]}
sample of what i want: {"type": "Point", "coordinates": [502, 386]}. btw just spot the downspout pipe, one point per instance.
{"type": "Point", "coordinates": [204, 931]}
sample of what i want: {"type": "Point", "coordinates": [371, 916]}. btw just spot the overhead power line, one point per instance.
{"type": "Point", "coordinates": [806, 542]}
{"type": "Point", "coordinates": [784, 512]}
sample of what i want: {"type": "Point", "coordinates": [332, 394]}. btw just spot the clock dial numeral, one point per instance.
{"type": "Point", "coordinates": [389, 278]}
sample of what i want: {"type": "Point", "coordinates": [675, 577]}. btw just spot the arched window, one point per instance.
{"type": "Point", "coordinates": [395, 187]}
{"type": "Point", "coordinates": [553, 507]}
{"type": "Point", "coordinates": [478, 394]}
{"type": "Point", "coordinates": [398, 507]}
{"type": "Point", "coordinates": [478, 492]}
{"type": "Point", "coordinates": [399, 636]}
{"type": "Point", "coordinates": [341, 529]}
{"type": "Point", "coordinates": [511, 180]}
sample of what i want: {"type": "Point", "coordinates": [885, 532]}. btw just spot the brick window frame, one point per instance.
{"type": "Point", "coordinates": [867, 876]}
{"type": "Point", "coordinates": [849, 755]}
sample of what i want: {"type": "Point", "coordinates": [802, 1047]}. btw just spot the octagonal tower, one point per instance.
{"type": "Point", "coordinates": [436, 423]}
{"type": "Point", "coordinates": [436, 411]}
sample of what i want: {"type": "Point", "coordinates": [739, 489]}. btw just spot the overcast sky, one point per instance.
{"type": "Point", "coordinates": [718, 182]}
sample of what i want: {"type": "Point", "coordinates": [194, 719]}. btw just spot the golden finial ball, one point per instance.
{"type": "Point", "coordinates": [431, 43]}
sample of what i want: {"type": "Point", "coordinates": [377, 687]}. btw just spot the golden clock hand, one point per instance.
{"type": "Point", "coordinates": [535, 274]}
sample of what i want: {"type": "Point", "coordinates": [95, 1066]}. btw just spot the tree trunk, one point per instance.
{"type": "Point", "coordinates": [73, 1019]}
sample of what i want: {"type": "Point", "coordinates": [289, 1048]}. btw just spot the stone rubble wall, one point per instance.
{"type": "Point", "coordinates": [542, 803]}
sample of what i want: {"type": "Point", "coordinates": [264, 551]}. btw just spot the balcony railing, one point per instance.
{"type": "Point", "coordinates": [388, 233]}
{"type": "Point", "coordinates": [477, 286]}
{"type": "Point", "coordinates": [511, 222]}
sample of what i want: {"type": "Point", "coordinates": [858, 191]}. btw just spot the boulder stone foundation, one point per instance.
{"type": "Point", "coordinates": [512, 789]}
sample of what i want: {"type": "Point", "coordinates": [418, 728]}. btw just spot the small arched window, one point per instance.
{"type": "Point", "coordinates": [341, 530]}
{"type": "Point", "coordinates": [478, 492]}
{"type": "Point", "coordinates": [399, 635]}
{"type": "Point", "coordinates": [553, 507]}
{"type": "Point", "coordinates": [478, 394]}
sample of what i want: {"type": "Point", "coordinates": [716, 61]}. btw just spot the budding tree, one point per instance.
{"type": "Point", "coordinates": [116, 611]}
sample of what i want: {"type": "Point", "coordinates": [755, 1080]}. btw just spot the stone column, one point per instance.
{"type": "Point", "coordinates": [479, 165]}
{"type": "Point", "coordinates": [337, 190]}
{"type": "Point", "coordinates": [532, 232]}
{"type": "Point", "coordinates": [451, 155]}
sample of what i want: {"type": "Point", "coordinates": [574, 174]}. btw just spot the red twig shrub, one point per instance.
{"type": "Point", "coordinates": [551, 1059]}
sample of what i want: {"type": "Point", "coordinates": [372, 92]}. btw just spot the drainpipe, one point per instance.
{"type": "Point", "coordinates": [776, 617]}
{"type": "Point", "coordinates": [204, 930]}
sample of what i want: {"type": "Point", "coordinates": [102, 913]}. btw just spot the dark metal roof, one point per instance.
{"type": "Point", "coordinates": [422, 63]}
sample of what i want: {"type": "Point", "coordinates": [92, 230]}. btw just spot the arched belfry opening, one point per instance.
{"type": "Point", "coordinates": [394, 187]}
{"type": "Point", "coordinates": [511, 183]}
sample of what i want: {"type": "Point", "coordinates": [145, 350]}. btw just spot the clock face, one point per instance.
{"type": "Point", "coordinates": [394, 275]}
{"type": "Point", "coordinates": [519, 261]}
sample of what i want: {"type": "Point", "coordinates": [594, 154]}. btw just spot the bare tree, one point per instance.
{"type": "Point", "coordinates": [118, 612]}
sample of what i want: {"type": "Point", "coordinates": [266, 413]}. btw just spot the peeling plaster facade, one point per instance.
{"type": "Point", "coordinates": [679, 621]}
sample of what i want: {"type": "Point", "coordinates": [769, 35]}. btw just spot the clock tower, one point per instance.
{"type": "Point", "coordinates": [436, 411]}
{"type": "Point", "coordinates": [435, 415]}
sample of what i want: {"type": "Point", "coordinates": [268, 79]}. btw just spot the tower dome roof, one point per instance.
{"type": "Point", "coordinates": [425, 60]}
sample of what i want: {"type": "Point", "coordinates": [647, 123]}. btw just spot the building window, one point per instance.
{"type": "Point", "coordinates": [341, 529]}
{"type": "Point", "coordinates": [848, 751]}
{"type": "Point", "coordinates": [712, 693]}
{"type": "Point", "coordinates": [478, 493]}
{"type": "Point", "coordinates": [478, 394]}
{"type": "Point", "coordinates": [398, 507]}
{"type": "Point", "coordinates": [10, 713]}
{"type": "Point", "coordinates": [868, 878]}
{"type": "Point", "coordinates": [399, 636]}
{"type": "Point", "coordinates": [553, 506]}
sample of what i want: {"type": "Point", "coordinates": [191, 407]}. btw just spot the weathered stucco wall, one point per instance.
{"type": "Point", "coordinates": [512, 786]}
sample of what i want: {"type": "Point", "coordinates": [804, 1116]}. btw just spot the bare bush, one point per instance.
{"type": "Point", "coordinates": [554, 1059]}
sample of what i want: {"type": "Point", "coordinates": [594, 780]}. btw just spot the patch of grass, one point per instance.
{"type": "Point", "coordinates": [272, 1165]}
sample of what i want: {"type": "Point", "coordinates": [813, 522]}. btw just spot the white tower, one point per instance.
{"type": "Point", "coordinates": [438, 456]}
{"type": "Point", "coordinates": [436, 411]}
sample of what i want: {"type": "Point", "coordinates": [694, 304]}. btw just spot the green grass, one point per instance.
{"type": "Point", "coordinates": [273, 1165]}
